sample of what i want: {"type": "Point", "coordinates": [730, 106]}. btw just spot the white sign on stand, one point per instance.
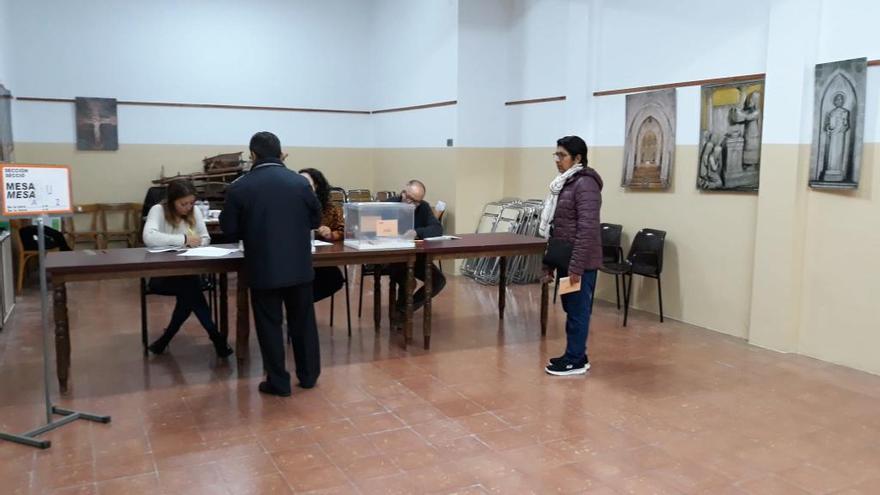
{"type": "Point", "coordinates": [37, 191]}
{"type": "Point", "coordinates": [30, 190]}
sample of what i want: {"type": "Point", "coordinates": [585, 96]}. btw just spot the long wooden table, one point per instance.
{"type": "Point", "coordinates": [89, 265]}
{"type": "Point", "coordinates": [93, 265]}
{"type": "Point", "coordinates": [480, 246]}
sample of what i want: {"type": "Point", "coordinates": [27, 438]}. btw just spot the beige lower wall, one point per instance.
{"type": "Point", "coordinates": [790, 269]}
{"type": "Point", "coordinates": [841, 272]}
{"type": "Point", "coordinates": [394, 167]}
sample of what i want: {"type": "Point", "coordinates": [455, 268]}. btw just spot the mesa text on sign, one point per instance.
{"type": "Point", "coordinates": [35, 189]}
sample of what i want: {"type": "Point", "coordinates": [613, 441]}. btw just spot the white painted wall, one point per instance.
{"type": "Point", "coordinates": [644, 43]}
{"type": "Point", "coordinates": [294, 53]}
{"type": "Point", "coordinates": [849, 30]}
{"type": "Point", "coordinates": [538, 67]}
{"type": "Point", "coordinates": [483, 76]}
{"type": "Point", "coordinates": [413, 60]}
{"type": "Point", "coordinates": [5, 44]}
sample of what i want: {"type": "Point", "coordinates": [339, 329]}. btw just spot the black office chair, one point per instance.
{"type": "Point", "coordinates": [611, 253]}
{"type": "Point", "coordinates": [338, 196]}
{"type": "Point", "coordinates": [155, 195]}
{"type": "Point", "coordinates": [209, 285]}
{"type": "Point", "coordinates": [645, 258]}
{"type": "Point", "coordinates": [347, 301]}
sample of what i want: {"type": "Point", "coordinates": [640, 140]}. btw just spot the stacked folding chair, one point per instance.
{"type": "Point", "coordinates": [513, 216]}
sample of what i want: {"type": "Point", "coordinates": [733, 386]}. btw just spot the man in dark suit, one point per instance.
{"type": "Point", "coordinates": [273, 210]}
{"type": "Point", "coordinates": [426, 225]}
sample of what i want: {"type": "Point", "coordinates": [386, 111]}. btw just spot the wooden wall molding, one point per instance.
{"type": "Point", "coordinates": [417, 107]}
{"type": "Point", "coordinates": [247, 107]}
{"type": "Point", "coordinates": [223, 106]}
{"type": "Point", "coordinates": [203, 105]}
{"type": "Point", "coordinates": [699, 82]}
{"type": "Point", "coordinates": [534, 100]}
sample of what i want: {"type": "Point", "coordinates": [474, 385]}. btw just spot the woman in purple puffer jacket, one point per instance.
{"type": "Point", "coordinates": [571, 214]}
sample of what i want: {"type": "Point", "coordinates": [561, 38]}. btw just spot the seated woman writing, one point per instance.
{"type": "Point", "coordinates": [174, 222]}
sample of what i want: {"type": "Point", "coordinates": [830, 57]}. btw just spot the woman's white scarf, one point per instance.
{"type": "Point", "coordinates": [553, 197]}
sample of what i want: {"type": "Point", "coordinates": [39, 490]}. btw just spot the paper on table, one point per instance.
{"type": "Point", "coordinates": [207, 252]}
{"type": "Point", "coordinates": [317, 243]}
{"type": "Point", "coordinates": [442, 238]}
{"type": "Point", "coordinates": [164, 249]}
{"type": "Point", "coordinates": [565, 286]}
{"type": "Point", "coordinates": [386, 228]}
{"type": "Point", "coordinates": [368, 223]}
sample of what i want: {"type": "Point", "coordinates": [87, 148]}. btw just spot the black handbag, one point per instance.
{"type": "Point", "coordinates": [558, 253]}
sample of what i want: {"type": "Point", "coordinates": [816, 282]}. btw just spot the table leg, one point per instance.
{"type": "Point", "coordinates": [224, 305]}
{"type": "Point", "coordinates": [545, 302]}
{"type": "Point", "coordinates": [377, 297]}
{"type": "Point", "coordinates": [429, 294]}
{"type": "Point", "coordinates": [392, 301]}
{"type": "Point", "coordinates": [62, 336]}
{"type": "Point", "coordinates": [243, 318]}
{"type": "Point", "coordinates": [502, 287]}
{"type": "Point", "coordinates": [408, 290]}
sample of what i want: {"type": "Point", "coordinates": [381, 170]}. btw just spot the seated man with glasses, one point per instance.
{"type": "Point", "coordinates": [426, 225]}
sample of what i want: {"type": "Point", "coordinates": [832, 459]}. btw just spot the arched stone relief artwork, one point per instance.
{"type": "Point", "coordinates": [650, 140]}
{"type": "Point", "coordinates": [838, 124]}
{"type": "Point", "coordinates": [731, 119]}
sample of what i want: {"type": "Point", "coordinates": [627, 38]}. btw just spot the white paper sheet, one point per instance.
{"type": "Point", "coordinates": [164, 249]}
{"type": "Point", "coordinates": [207, 252]}
{"type": "Point", "coordinates": [317, 243]}
{"type": "Point", "coordinates": [442, 238]}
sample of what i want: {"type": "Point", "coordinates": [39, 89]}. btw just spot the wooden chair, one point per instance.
{"type": "Point", "coordinates": [23, 256]}
{"type": "Point", "coordinates": [338, 195]}
{"type": "Point", "coordinates": [385, 195]}
{"type": "Point", "coordinates": [92, 235]}
{"type": "Point", "coordinates": [126, 214]}
{"type": "Point", "coordinates": [360, 196]}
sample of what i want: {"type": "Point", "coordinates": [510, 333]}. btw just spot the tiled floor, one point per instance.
{"type": "Point", "coordinates": [666, 409]}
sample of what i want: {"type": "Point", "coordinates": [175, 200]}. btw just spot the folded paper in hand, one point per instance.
{"type": "Point", "coordinates": [566, 287]}
{"type": "Point", "coordinates": [207, 252]}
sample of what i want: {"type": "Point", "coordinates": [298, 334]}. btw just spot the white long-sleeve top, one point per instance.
{"type": "Point", "coordinates": [158, 232]}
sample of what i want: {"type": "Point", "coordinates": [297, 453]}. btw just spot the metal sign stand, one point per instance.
{"type": "Point", "coordinates": [68, 416]}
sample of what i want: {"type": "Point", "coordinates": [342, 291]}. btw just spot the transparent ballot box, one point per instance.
{"type": "Point", "coordinates": [379, 225]}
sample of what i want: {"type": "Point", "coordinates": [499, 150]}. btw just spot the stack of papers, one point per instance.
{"type": "Point", "coordinates": [317, 243]}
{"type": "Point", "coordinates": [208, 252]}
{"type": "Point", "coordinates": [164, 249]}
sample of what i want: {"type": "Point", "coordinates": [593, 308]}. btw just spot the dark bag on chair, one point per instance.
{"type": "Point", "coordinates": [558, 253]}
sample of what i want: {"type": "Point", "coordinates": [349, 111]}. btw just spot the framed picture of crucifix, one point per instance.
{"type": "Point", "coordinates": [96, 124]}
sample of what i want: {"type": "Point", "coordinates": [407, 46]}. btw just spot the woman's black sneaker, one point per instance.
{"type": "Point", "coordinates": [561, 359]}
{"type": "Point", "coordinates": [566, 368]}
